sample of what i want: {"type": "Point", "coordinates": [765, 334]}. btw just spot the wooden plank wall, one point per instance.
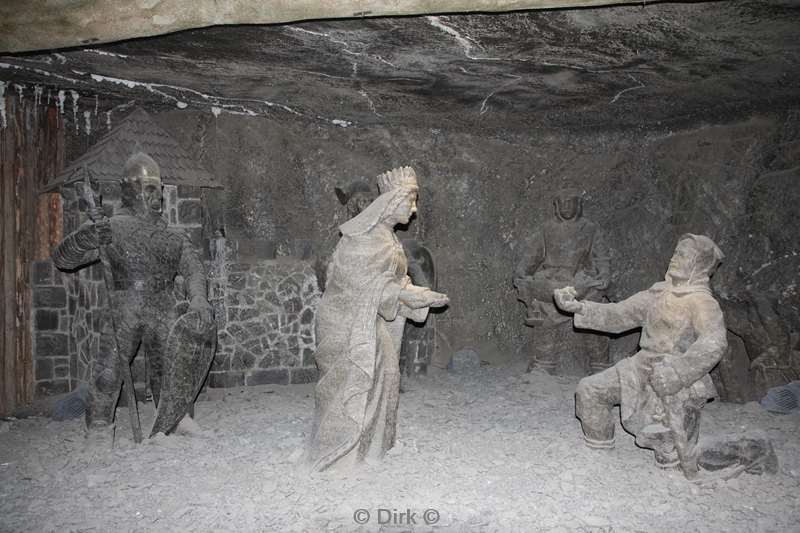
{"type": "Point", "coordinates": [31, 152]}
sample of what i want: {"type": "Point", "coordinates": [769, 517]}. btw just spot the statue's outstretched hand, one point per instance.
{"type": "Point", "coordinates": [565, 300]}
{"type": "Point", "coordinates": [203, 308]}
{"type": "Point", "coordinates": [419, 297]}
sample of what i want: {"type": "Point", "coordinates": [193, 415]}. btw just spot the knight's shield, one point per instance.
{"type": "Point", "coordinates": [187, 359]}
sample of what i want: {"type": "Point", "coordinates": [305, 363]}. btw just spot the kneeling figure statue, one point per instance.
{"type": "Point", "coordinates": [662, 388]}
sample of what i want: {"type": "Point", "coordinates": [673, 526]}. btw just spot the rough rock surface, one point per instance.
{"type": "Point", "coordinates": [489, 450]}
{"type": "Point", "coordinates": [618, 66]}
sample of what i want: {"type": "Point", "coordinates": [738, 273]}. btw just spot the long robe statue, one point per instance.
{"type": "Point", "coordinates": [662, 388]}
{"type": "Point", "coordinates": [360, 320]}
{"type": "Point", "coordinates": [144, 256]}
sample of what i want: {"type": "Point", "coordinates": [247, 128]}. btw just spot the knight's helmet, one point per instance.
{"type": "Point", "coordinates": [140, 171]}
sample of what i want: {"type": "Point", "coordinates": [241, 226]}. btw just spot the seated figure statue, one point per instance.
{"type": "Point", "coordinates": [662, 388]}
{"type": "Point", "coordinates": [141, 258]}
{"type": "Point", "coordinates": [567, 250]}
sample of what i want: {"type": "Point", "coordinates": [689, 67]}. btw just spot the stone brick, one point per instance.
{"type": "Point", "coordinates": [52, 344]}
{"type": "Point", "coordinates": [242, 360]}
{"type": "Point", "coordinates": [307, 317]}
{"type": "Point", "coordinates": [224, 338]}
{"type": "Point", "coordinates": [45, 320]}
{"type": "Point", "coordinates": [303, 375]}
{"type": "Point", "coordinates": [62, 372]}
{"type": "Point", "coordinates": [49, 388]}
{"type": "Point", "coordinates": [253, 345]}
{"type": "Point", "coordinates": [294, 305]}
{"type": "Point", "coordinates": [275, 376]}
{"type": "Point", "coordinates": [49, 297]}
{"type": "Point", "coordinates": [189, 191]}
{"type": "Point", "coordinates": [256, 329]}
{"type": "Point", "coordinates": [218, 380]}
{"type": "Point", "coordinates": [308, 357]}
{"type": "Point", "coordinates": [190, 212]}
{"type": "Point", "coordinates": [43, 369]}
{"type": "Point", "coordinates": [222, 362]}
{"type": "Point", "coordinates": [270, 360]}
{"type": "Point", "coordinates": [237, 280]}
{"type": "Point", "coordinates": [42, 272]}
{"type": "Point", "coordinates": [248, 314]}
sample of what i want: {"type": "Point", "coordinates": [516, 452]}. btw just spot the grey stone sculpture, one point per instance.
{"type": "Point", "coordinates": [418, 338]}
{"type": "Point", "coordinates": [662, 388]}
{"type": "Point", "coordinates": [360, 322]}
{"type": "Point", "coordinates": [141, 258]}
{"type": "Point", "coordinates": [759, 331]}
{"type": "Point", "coordinates": [567, 250]}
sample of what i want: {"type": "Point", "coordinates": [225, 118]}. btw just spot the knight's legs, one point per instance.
{"type": "Point", "coordinates": [105, 379]}
{"type": "Point", "coordinates": [595, 398]}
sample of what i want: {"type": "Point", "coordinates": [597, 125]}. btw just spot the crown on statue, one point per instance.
{"type": "Point", "coordinates": [396, 178]}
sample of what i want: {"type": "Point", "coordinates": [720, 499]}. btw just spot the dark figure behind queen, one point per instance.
{"type": "Point", "coordinates": [360, 319]}
{"type": "Point", "coordinates": [662, 388]}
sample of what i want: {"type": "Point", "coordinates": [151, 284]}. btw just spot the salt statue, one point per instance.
{"type": "Point", "coordinates": [360, 320]}
{"type": "Point", "coordinates": [418, 339]}
{"type": "Point", "coordinates": [569, 250]}
{"type": "Point", "coordinates": [662, 388]}
{"type": "Point", "coordinates": [764, 336]}
{"type": "Point", "coordinates": [141, 258]}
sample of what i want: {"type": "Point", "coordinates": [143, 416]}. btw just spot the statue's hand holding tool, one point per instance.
{"type": "Point", "coordinates": [201, 306]}
{"type": "Point", "coordinates": [565, 299]}
{"type": "Point", "coordinates": [663, 377]}
{"type": "Point", "coordinates": [102, 225]}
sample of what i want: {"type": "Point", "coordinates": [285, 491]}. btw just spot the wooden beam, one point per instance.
{"type": "Point", "coordinates": [8, 267]}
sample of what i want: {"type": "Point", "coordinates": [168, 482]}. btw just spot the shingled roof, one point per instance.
{"type": "Point", "coordinates": [137, 132]}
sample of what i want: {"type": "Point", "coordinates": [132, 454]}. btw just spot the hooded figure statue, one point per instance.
{"type": "Point", "coordinates": [142, 257]}
{"type": "Point", "coordinates": [662, 388]}
{"type": "Point", "coordinates": [360, 320]}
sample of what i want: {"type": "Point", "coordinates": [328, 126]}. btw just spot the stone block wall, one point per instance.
{"type": "Point", "coordinates": [265, 312]}
{"type": "Point", "coordinates": [53, 351]}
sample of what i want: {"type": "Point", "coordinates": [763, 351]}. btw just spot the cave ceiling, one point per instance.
{"type": "Point", "coordinates": [622, 66]}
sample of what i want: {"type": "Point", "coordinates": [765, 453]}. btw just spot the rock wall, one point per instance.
{"type": "Point", "coordinates": [483, 192]}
